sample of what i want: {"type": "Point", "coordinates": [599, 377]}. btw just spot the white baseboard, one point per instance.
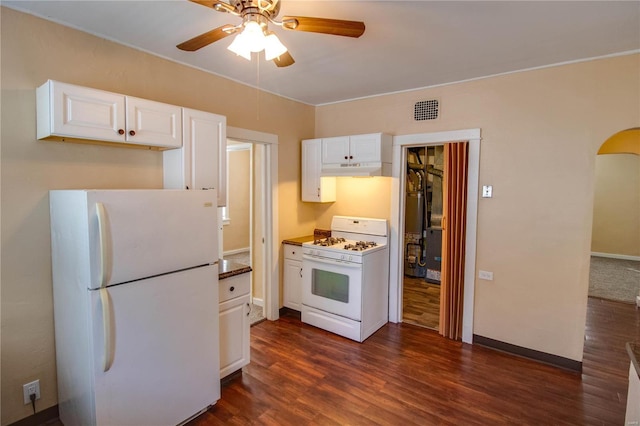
{"type": "Point", "coordinates": [236, 251]}
{"type": "Point", "coordinates": [259, 302]}
{"type": "Point", "coordinates": [615, 256]}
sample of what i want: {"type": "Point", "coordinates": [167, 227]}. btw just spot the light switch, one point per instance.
{"type": "Point", "coordinates": [487, 191]}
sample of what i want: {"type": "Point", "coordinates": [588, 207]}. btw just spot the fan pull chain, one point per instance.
{"type": "Point", "coordinates": [258, 88]}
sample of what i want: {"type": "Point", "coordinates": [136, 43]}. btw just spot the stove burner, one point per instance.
{"type": "Point", "coordinates": [360, 245]}
{"type": "Point", "coordinates": [329, 241]}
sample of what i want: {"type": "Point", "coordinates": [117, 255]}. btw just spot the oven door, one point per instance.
{"type": "Point", "coordinates": [332, 286]}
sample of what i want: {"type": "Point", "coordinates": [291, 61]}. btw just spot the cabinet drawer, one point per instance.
{"type": "Point", "coordinates": [235, 286]}
{"type": "Point", "coordinates": [292, 252]}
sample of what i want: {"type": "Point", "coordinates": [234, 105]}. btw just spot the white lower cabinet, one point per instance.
{"type": "Point", "coordinates": [632, 416]}
{"type": "Point", "coordinates": [292, 277]}
{"type": "Point", "coordinates": [234, 309]}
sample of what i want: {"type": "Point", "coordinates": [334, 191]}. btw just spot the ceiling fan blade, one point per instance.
{"type": "Point", "coordinates": [283, 60]}
{"type": "Point", "coordinates": [207, 38]}
{"type": "Point", "coordinates": [323, 25]}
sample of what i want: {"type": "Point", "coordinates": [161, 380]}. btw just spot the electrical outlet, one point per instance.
{"type": "Point", "coordinates": [487, 191]}
{"type": "Point", "coordinates": [29, 389]}
{"type": "Point", "coordinates": [485, 275]}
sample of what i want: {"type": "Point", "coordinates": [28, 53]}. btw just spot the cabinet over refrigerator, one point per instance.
{"type": "Point", "coordinates": [135, 289]}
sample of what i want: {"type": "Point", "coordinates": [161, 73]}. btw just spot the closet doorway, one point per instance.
{"type": "Point", "coordinates": [423, 236]}
{"type": "Point", "coordinates": [456, 318]}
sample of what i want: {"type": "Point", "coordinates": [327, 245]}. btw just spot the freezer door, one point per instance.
{"type": "Point", "coordinates": [137, 234]}
{"type": "Point", "coordinates": [163, 342]}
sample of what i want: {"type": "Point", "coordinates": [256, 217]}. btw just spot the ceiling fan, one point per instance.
{"type": "Point", "coordinates": [253, 32]}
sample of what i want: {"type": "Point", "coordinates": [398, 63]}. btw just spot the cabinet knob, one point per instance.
{"type": "Point", "coordinates": [346, 158]}
{"type": "Point", "coordinates": [132, 132]}
{"type": "Point", "coordinates": [121, 131]}
{"type": "Point", "coordinates": [232, 288]}
{"type": "Point", "coordinates": [351, 157]}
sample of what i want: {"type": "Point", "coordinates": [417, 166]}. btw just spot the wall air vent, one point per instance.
{"type": "Point", "coordinates": [426, 110]}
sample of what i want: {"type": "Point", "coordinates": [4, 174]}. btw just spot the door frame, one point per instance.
{"type": "Point", "coordinates": [398, 183]}
{"type": "Point", "coordinates": [271, 291]}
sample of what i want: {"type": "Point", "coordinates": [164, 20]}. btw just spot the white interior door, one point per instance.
{"type": "Point", "coordinates": [163, 335]}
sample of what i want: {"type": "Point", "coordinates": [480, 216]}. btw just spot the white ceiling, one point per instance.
{"type": "Point", "coordinates": [406, 44]}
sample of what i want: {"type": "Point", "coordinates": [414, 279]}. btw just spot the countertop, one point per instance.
{"type": "Point", "coordinates": [298, 241]}
{"type": "Point", "coordinates": [633, 349]}
{"type": "Point", "coordinates": [230, 268]}
{"type": "Point", "coordinates": [318, 233]}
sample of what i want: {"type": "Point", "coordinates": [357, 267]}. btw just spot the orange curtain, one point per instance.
{"type": "Point", "coordinates": [453, 238]}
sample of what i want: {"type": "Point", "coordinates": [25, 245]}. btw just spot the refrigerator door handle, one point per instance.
{"type": "Point", "coordinates": [104, 293]}
{"type": "Point", "coordinates": [102, 234]}
{"type": "Point", "coordinates": [106, 329]}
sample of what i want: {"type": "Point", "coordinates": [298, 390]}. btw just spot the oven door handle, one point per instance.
{"type": "Point", "coordinates": [332, 262]}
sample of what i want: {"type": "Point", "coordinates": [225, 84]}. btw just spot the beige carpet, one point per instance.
{"type": "Point", "coordinates": [614, 279]}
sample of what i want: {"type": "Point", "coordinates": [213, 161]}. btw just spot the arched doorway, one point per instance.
{"type": "Point", "coordinates": [615, 238]}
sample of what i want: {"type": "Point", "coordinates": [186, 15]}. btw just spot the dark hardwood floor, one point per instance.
{"type": "Point", "coordinates": [410, 375]}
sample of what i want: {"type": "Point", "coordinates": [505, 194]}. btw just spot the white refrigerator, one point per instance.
{"type": "Point", "coordinates": [135, 288]}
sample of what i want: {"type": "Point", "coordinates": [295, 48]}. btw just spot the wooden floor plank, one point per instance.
{"type": "Point", "coordinates": [420, 302]}
{"type": "Point", "coordinates": [403, 374]}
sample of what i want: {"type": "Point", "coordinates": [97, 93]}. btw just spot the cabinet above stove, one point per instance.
{"type": "Point", "coordinates": [357, 155]}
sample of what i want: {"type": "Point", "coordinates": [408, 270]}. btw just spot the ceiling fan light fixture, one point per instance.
{"type": "Point", "coordinates": [240, 47]}
{"type": "Point", "coordinates": [253, 36]}
{"type": "Point", "coordinates": [273, 47]}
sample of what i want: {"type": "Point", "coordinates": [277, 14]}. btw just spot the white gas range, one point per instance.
{"type": "Point", "coordinates": [345, 278]}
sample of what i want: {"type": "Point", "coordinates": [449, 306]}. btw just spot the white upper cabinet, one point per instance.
{"type": "Point", "coordinates": [67, 111]}
{"type": "Point", "coordinates": [357, 155]}
{"type": "Point", "coordinates": [335, 150]}
{"type": "Point", "coordinates": [201, 163]}
{"type": "Point", "coordinates": [365, 148]}
{"type": "Point", "coordinates": [315, 188]}
{"type": "Point", "coordinates": [153, 123]}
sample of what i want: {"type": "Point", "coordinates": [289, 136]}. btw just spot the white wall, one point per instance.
{"type": "Point", "coordinates": [237, 233]}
